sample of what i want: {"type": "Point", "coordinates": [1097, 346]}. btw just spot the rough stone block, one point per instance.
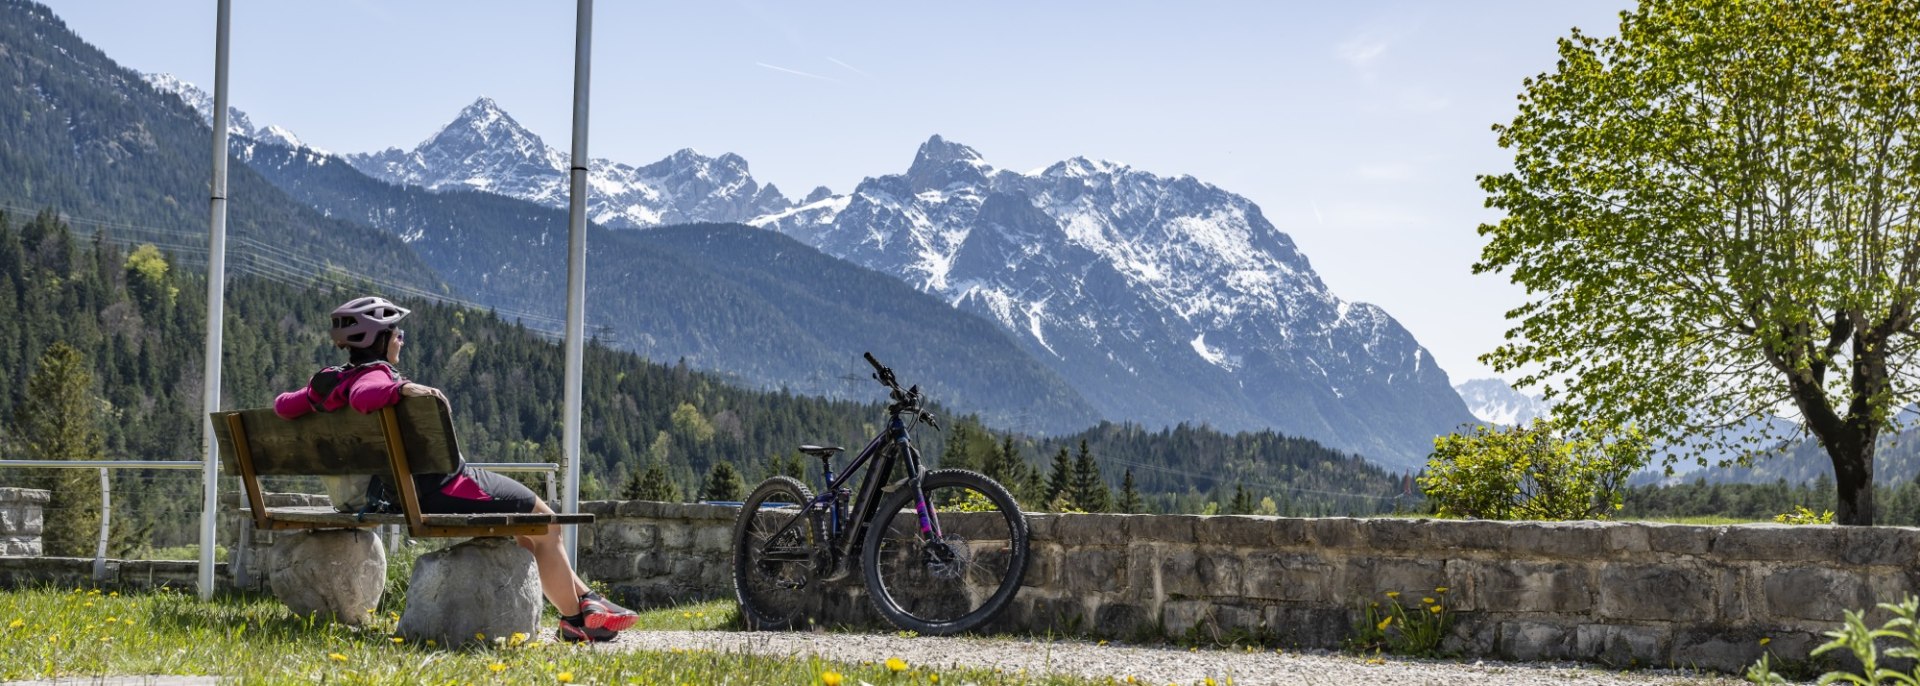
{"type": "Point", "coordinates": [1719, 648]}
{"type": "Point", "coordinates": [1880, 546]}
{"type": "Point", "coordinates": [1235, 530]}
{"type": "Point", "coordinates": [1528, 641]}
{"type": "Point", "coordinates": [676, 535]}
{"type": "Point", "coordinates": [1519, 586]}
{"type": "Point", "coordinates": [472, 592]}
{"type": "Point", "coordinates": [710, 537]}
{"type": "Point", "coordinates": [1668, 592]}
{"type": "Point", "coordinates": [1470, 534]}
{"type": "Point", "coordinates": [627, 535]}
{"type": "Point", "coordinates": [1043, 565]}
{"type": "Point", "coordinates": [1296, 577]}
{"type": "Point", "coordinates": [1619, 645]}
{"type": "Point", "coordinates": [1307, 626]}
{"type": "Point", "coordinates": [1780, 542]}
{"type": "Point", "coordinates": [1338, 533]}
{"type": "Point", "coordinates": [1685, 539]}
{"type": "Point", "coordinates": [1094, 570]}
{"type": "Point", "coordinates": [1397, 535]}
{"type": "Point", "coordinates": [1090, 529]}
{"type": "Point", "coordinates": [1814, 593]}
{"type": "Point", "coordinates": [1166, 528]}
{"type": "Point", "coordinates": [1204, 572]}
{"type": "Point", "coordinates": [600, 509]}
{"type": "Point", "coordinates": [337, 575]}
{"type": "Point", "coordinates": [1290, 532]}
{"type": "Point", "coordinates": [1627, 538]}
{"type": "Point", "coordinates": [1143, 568]}
{"type": "Point", "coordinates": [1558, 540]}
{"type": "Point", "coordinates": [1121, 619]}
{"type": "Point", "coordinates": [607, 567]}
{"type": "Point", "coordinates": [637, 509]}
{"type": "Point", "coordinates": [1181, 617]}
{"type": "Point", "coordinates": [1369, 579]}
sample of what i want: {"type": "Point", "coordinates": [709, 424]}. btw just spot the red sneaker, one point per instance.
{"type": "Point", "coordinates": [597, 612]}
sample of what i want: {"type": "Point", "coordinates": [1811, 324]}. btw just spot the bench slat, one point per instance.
{"type": "Point", "coordinates": [326, 515]}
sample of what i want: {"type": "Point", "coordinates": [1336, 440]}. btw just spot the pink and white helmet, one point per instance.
{"type": "Point", "coordinates": [358, 322]}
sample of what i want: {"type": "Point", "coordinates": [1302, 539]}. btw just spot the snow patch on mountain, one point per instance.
{"type": "Point", "coordinates": [1495, 402]}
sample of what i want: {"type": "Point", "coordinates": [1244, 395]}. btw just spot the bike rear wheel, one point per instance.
{"type": "Point", "coordinates": [961, 579]}
{"type": "Point", "coordinates": [773, 575]}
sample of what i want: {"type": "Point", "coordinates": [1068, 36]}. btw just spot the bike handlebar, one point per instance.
{"type": "Point", "coordinates": [882, 372]}
{"type": "Point", "coordinates": [902, 400]}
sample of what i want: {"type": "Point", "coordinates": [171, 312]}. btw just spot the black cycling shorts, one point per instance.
{"type": "Point", "coordinates": [473, 490]}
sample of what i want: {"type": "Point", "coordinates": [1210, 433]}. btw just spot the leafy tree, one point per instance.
{"type": "Point", "coordinates": [1714, 212]}
{"type": "Point", "coordinates": [723, 483]}
{"type": "Point", "coordinates": [1089, 491]}
{"type": "Point", "coordinates": [1531, 472]}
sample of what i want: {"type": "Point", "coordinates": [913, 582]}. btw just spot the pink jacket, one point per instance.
{"type": "Point", "coordinates": [365, 389]}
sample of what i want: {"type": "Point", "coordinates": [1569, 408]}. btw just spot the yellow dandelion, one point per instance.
{"type": "Point", "coordinates": [1103, 641]}
{"type": "Point", "coordinates": [830, 678]}
{"type": "Point", "coordinates": [397, 640]}
{"type": "Point", "coordinates": [564, 677]}
{"type": "Point", "coordinates": [94, 592]}
{"type": "Point", "coordinates": [1436, 609]}
{"type": "Point", "coordinates": [519, 637]}
{"type": "Point", "coordinates": [1393, 594]}
{"type": "Point", "coordinates": [1130, 679]}
{"type": "Point", "coordinates": [336, 657]}
{"type": "Point", "coordinates": [431, 643]}
{"type": "Point", "coordinates": [394, 616]}
{"type": "Point", "coordinates": [933, 678]}
{"type": "Point", "coordinates": [479, 637]}
{"type": "Point", "coordinates": [686, 615]}
{"type": "Point", "coordinates": [15, 624]}
{"type": "Point", "coordinates": [895, 664]}
{"type": "Point", "coordinates": [1209, 681]}
{"type": "Point", "coordinates": [111, 620]}
{"type": "Point", "coordinates": [87, 604]}
{"type": "Point", "coordinates": [1384, 623]}
{"type": "Point", "coordinates": [1441, 589]}
{"type": "Point", "coordinates": [114, 594]}
{"type": "Point", "coordinates": [1765, 641]}
{"type": "Point", "coordinates": [496, 668]}
{"type": "Point", "coordinates": [1428, 601]}
{"type": "Point", "coordinates": [1376, 661]}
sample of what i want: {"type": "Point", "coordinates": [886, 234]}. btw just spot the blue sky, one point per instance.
{"type": "Point", "coordinates": [1357, 127]}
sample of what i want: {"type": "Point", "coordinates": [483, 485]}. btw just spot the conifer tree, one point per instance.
{"type": "Point", "coordinates": [1059, 483]}
{"type": "Point", "coordinates": [1129, 496]}
{"type": "Point", "coordinates": [723, 483]}
{"type": "Point", "coordinates": [1090, 492]}
{"type": "Point", "coordinates": [1242, 502]}
{"type": "Point", "coordinates": [652, 483]}
{"type": "Point", "coordinates": [60, 420]}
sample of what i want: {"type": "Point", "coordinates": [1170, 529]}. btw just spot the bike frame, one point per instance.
{"type": "Point", "coordinates": [885, 450]}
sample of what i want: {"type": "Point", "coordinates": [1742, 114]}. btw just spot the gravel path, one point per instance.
{"type": "Point", "coordinates": [1153, 665]}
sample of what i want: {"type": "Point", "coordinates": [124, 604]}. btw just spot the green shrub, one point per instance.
{"type": "Point", "coordinates": [1544, 471]}
{"type": "Point", "coordinates": [1802, 515]}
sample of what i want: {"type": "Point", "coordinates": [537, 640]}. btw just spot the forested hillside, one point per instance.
{"type": "Point", "coordinates": [82, 134]}
{"type": "Point", "coordinates": [137, 320]}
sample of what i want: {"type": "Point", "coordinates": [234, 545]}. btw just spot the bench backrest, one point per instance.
{"type": "Point", "coordinates": [339, 443]}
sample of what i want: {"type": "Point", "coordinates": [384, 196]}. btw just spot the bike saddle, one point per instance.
{"type": "Point", "coordinates": [821, 451]}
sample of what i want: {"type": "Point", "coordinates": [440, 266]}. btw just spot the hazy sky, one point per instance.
{"type": "Point", "coordinates": [1357, 127]}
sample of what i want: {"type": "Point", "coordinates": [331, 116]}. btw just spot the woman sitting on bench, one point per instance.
{"type": "Point", "coordinates": [367, 328]}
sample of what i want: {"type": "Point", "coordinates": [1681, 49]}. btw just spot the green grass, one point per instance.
{"type": "Point", "coordinates": [72, 633]}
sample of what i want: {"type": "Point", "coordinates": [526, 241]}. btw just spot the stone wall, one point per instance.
{"type": "Point", "coordinates": [1622, 594]}
{"type": "Point", "coordinates": [21, 517]}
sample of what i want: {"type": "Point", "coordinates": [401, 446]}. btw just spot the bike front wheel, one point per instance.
{"type": "Point", "coordinates": [957, 580]}
{"type": "Point", "coordinates": [773, 552]}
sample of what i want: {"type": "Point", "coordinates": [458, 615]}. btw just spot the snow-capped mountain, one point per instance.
{"type": "Point", "coordinates": [485, 149]}
{"type": "Point", "coordinates": [1164, 300]}
{"type": "Point", "coordinates": [237, 122]}
{"type": "Point", "coordinates": [1495, 402]}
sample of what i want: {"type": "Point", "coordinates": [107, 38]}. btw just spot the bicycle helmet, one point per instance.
{"type": "Point", "coordinates": [357, 323]}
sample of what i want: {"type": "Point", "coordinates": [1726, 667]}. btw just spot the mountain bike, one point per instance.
{"type": "Point", "coordinates": [940, 551]}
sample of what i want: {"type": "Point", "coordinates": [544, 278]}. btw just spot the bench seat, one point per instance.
{"type": "Point", "coordinates": [310, 517]}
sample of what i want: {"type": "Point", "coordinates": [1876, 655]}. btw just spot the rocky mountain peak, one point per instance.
{"type": "Point", "coordinates": [941, 163]}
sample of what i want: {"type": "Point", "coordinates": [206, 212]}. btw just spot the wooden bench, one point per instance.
{"type": "Point", "coordinates": [414, 436]}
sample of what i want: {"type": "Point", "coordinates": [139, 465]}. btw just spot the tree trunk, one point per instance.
{"type": "Point", "coordinates": [1853, 476]}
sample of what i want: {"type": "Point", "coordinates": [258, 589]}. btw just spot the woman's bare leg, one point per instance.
{"type": "Point", "coordinates": [562, 587]}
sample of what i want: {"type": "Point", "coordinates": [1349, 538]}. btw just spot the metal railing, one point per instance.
{"type": "Point", "coordinates": [106, 467]}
